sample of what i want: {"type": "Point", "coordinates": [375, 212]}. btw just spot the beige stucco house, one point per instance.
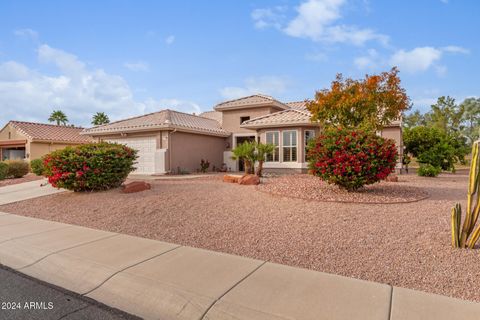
{"type": "Point", "coordinates": [29, 140]}
{"type": "Point", "coordinates": [172, 141]}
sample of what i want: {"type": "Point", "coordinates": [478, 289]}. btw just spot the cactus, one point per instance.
{"type": "Point", "coordinates": [466, 238]}
{"type": "Point", "coordinates": [456, 219]}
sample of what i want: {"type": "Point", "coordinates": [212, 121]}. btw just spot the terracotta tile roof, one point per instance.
{"type": "Point", "coordinates": [164, 119]}
{"type": "Point", "coordinates": [50, 132]}
{"type": "Point", "coordinates": [214, 115]}
{"type": "Point", "coordinates": [298, 105]}
{"type": "Point", "coordinates": [253, 100]}
{"type": "Point", "coordinates": [281, 118]}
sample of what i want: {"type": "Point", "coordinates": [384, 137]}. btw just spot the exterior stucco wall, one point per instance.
{"type": "Point", "coordinates": [394, 133]}
{"type": "Point", "coordinates": [231, 118]}
{"type": "Point", "coordinates": [160, 136]}
{"type": "Point", "coordinates": [187, 149]}
{"type": "Point", "coordinates": [14, 134]}
{"type": "Point", "coordinates": [39, 149]}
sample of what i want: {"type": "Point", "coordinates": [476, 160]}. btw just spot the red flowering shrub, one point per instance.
{"type": "Point", "coordinates": [89, 167]}
{"type": "Point", "coordinates": [351, 159]}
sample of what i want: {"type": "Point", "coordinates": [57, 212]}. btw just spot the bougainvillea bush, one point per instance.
{"type": "Point", "coordinates": [89, 167]}
{"type": "Point", "coordinates": [351, 159]}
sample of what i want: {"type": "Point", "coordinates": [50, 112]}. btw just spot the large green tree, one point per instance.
{"type": "Point", "coordinates": [431, 145]}
{"type": "Point", "coordinates": [414, 119]}
{"type": "Point", "coordinates": [59, 117]}
{"type": "Point", "coordinates": [445, 115]}
{"type": "Point", "coordinates": [471, 117]}
{"type": "Point", "coordinates": [369, 103]}
{"type": "Point", "coordinates": [100, 118]}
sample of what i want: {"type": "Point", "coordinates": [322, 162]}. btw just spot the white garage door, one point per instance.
{"type": "Point", "coordinates": [146, 147]}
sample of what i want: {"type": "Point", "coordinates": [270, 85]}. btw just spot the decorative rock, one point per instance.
{"type": "Point", "coordinates": [392, 178]}
{"type": "Point", "coordinates": [136, 186]}
{"type": "Point", "coordinates": [249, 179]}
{"type": "Point", "coordinates": [231, 178]}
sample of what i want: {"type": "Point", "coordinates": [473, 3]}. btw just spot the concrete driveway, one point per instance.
{"type": "Point", "coordinates": [26, 190]}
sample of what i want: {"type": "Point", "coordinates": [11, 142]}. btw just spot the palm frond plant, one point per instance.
{"type": "Point", "coordinates": [59, 117]}
{"type": "Point", "coordinates": [263, 149]}
{"type": "Point", "coordinates": [246, 152]}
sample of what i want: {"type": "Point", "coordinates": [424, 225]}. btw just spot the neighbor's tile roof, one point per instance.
{"type": "Point", "coordinates": [165, 119]}
{"type": "Point", "coordinates": [253, 100]}
{"type": "Point", "coordinates": [49, 132]}
{"type": "Point", "coordinates": [215, 115]}
{"type": "Point", "coordinates": [281, 118]}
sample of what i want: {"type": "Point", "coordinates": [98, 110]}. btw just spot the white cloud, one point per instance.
{"type": "Point", "coordinates": [455, 49]}
{"type": "Point", "coordinates": [175, 104]}
{"type": "Point", "coordinates": [268, 17]}
{"type": "Point", "coordinates": [270, 85]}
{"type": "Point", "coordinates": [14, 71]}
{"type": "Point", "coordinates": [27, 94]}
{"type": "Point", "coordinates": [28, 33]}
{"type": "Point", "coordinates": [137, 66]}
{"type": "Point", "coordinates": [369, 61]}
{"type": "Point", "coordinates": [423, 58]}
{"type": "Point", "coordinates": [318, 20]}
{"type": "Point", "coordinates": [170, 39]}
{"type": "Point", "coordinates": [416, 60]}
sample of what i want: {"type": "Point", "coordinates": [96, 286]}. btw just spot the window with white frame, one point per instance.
{"type": "Point", "coordinates": [289, 146]}
{"type": "Point", "coordinates": [308, 135]}
{"type": "Point", "coordinates": [272, 137]}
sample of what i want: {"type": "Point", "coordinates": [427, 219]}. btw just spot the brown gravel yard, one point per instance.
{"type": "Point", "coordinates": [402, 244]}
{"type": "Point", "coordinates": [300, 186]}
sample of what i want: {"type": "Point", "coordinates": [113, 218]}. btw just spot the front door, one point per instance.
{"type": "Point", "coordinates": [240, 140]}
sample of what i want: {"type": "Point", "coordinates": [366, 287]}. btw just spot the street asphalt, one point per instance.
{"type": "Point", "coordinates": [22, 297]}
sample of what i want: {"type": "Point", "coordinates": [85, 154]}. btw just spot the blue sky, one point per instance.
{"type": "Point", "coordinates": [131, 57]}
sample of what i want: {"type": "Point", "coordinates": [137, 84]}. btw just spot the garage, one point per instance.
{"type": "Point", "coordinates": [146, 147]}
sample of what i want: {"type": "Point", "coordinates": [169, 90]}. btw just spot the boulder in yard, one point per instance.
{"type": "Point", "coordinates": [249, 179]}
{"type": "Point", "coordinates": [392, 178]}
{"type": "Point", "coordinates": [136, 186]}
{"type": "Point", "coordinates": [231, 178]}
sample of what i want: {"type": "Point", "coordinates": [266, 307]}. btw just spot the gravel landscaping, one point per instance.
{"type": "Point", "coordinates": [402, 244]}
{"type": "Point", "coordinates": [300, 186]}
{"type": "Point", "coordinates": [29, 177]}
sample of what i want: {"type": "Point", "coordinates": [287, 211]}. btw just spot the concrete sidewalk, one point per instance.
{"type": "Point", "coordinates": [158, 280]}
{"type": "Point", "coordinates": [26, 190]}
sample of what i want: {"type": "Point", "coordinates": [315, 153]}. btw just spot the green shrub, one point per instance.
{"type": "Point", "coordinates": [3, 170]}
{"type": "Point", "coordinates": [37, 166]}
{"type": "Point", "coordinates": [432, 146]}
{"type": "Point", "coordinates": [204, 165]}
{"type": "Point", "coordinates": [428, 170]}
{"type": "Point", "coordinates": [351, 159]}
{"type": "Point", "coordinates": [17, 168]}
{"type": "Point", "coordinates": [89, 167]}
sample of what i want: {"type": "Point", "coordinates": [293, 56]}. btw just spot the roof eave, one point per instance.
{"type": "Point", "coordinates": [279, 125]}
{"type": "Point", "coordinates": [274, 104]}
{"type": "Point", "coordinates": [156, 127]}
{"type": "Point", "coordinates": [59, 141]}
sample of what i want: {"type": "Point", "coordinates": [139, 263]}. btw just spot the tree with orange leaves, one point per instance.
{"type": "Point", "coordinates": [368, 104]}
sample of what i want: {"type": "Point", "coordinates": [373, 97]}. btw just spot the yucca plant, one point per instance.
{"type": "Point", "coordinates": [468, 235]}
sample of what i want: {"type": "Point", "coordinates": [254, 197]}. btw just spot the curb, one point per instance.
{"type": "Point", "coordinates": [158, 280]}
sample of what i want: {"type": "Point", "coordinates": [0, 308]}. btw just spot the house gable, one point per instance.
{"type": "Point", "coordinates": [9, 132]}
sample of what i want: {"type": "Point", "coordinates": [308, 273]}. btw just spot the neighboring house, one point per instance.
{"type": "Point", "coordinates": [172, 141]}
{"type": "Point", "coordinates": [28, 140]}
